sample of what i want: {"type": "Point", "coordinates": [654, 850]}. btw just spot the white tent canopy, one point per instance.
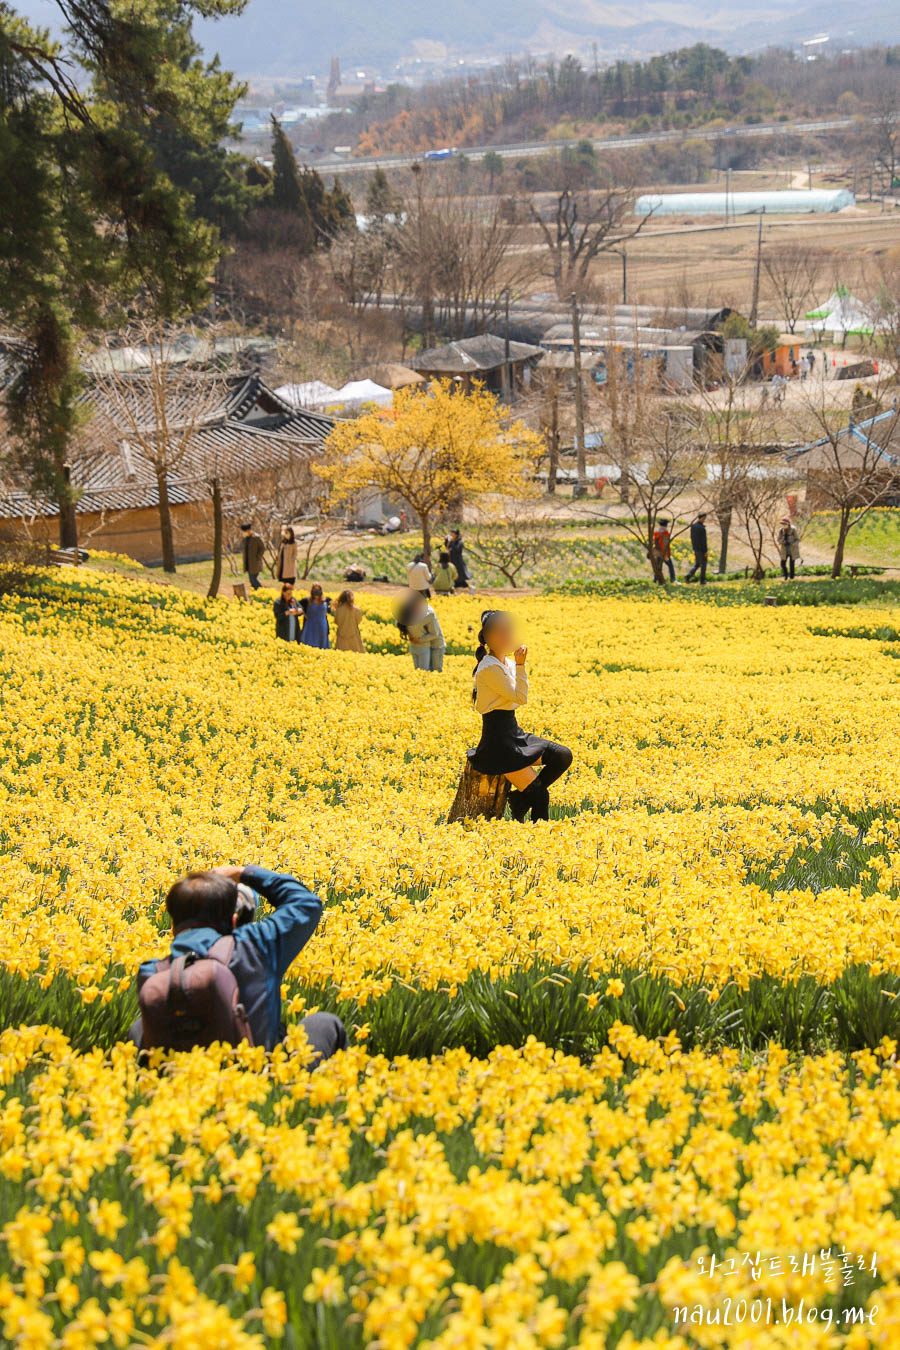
{"type": "Point", "coordinates": [848, 315]}
{"type": "Point", "coordinates": [822, 311]}
{"type": "Point", "coordinates": [359, 392]}
{"type": "Point", "coordinates": [314, 394]}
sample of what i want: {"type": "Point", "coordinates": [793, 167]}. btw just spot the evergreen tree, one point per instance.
{"type": "Point", "coordinates": [318, 205]}
{"type": "Point", "coordinates": [91, 218]}
{"type": "Point", "coordinates": [341, 207]}
{"type": "Point", "coordinates": [383, 204]}
{"type": "Point", "coordinates": [288, 188]}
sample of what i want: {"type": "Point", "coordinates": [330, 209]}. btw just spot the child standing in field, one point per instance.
{"type": "Point", "coordinates": [347, 614]}
{"type": "Point", "coordinates": [530, 763]}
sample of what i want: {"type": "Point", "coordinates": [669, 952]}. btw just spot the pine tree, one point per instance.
{"type": "Point", "coordinates": [317, 204]}
{"type": "Point", "coordinates": [90, 218]}
{"type": "Point", "coordinates": [341, 206]}
{"type": "Point", "coordinates": [383, 205]}
{"type": "Point", "coordinates": [288, 190]}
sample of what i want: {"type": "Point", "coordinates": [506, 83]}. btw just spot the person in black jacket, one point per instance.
{"type": "Point", "coordinates": [700, 545]}
{"type": "Point", "coordinates": [254, 555]}
{"type": "Point", "coordinates": [454, 546]}
{"type": "Point", "coordinates": [286, 615]}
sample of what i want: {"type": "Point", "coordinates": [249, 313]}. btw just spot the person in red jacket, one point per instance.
{"type": "Point", "coordinates": [662, 548]}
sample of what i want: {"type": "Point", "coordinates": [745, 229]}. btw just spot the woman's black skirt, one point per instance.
{"type": "Point", "coordinates": [504, 747]}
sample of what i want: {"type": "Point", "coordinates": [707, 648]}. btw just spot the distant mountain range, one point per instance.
{"type": "Point", "coordinates": [289, 38]}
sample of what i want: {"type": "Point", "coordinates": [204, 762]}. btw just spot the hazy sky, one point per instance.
{"type": "Point", "coordinates": [290, 38]}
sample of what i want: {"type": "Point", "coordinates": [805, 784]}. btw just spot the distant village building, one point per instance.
{"type": "Point", "coordinates": [867, 450]}
{"type": "Point", "coordinates": [502, 367]}
{"type": "Point", "coordinates": [783, 358]}
{"type": "Point", "coordinates": [784, 202]}
{"type": "Point", "coordinates": [681, 357]}
{"type": "Point", "coordinates": [250, 434]}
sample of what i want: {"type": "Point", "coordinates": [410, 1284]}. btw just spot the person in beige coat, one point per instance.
{"type": "Point", "coordinates": [287, 556]}
{"type": "Point", "coordinates": [788, 541]}
{"type": "Point", "coordinates": [347, 615]}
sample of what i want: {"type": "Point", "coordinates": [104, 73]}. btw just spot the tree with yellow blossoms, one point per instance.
{"type": "Point", "coordinates": [436, 449]}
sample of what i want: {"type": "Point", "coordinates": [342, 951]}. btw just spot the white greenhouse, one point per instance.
{"type": "Point", "coordinates": [743, 203]}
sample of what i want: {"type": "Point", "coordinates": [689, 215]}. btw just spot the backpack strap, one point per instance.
{"type": "Point", "coordinates": [223, 950]}
{"type": "Point", "coordinates": [175, 995]}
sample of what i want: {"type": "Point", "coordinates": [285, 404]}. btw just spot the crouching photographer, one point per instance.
{"type": "Point", "coordinates": [222, 978]}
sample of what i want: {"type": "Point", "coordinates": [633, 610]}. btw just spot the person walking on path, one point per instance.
{"type": "Point", "coordinates": [530, 763]}
{"type": "Point", "coordinates": [662, 550]}
{"type": "Point", "coordinates": [287, 621]}
{"type": "Point", "coordinates": [419, 624]}
{"type": "Point", "coordinates": [445, 576]}
{"type": "Point", "coordinates": [287, 556]}
{"type": "Point", "coordinates": [316, 609]}
{"type": "Point", "coordinates": [788, 541]}
{"type": "Point", "coordinates": [418, 576]}
{"type": "Point", "coordinates": [700, 545]}
{"type": "Point", "coordinates": [456, 549]}
{"type": "Point", "coordinates": [254, 555]}
{"type": "Point", "coordinates": [347, 614]}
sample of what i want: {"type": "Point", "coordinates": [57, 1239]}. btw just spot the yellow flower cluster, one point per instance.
{"type": "Point", "coordinates": [519, 1201]}
{"type": "Point", "coordinates": [523, 1199]}
{"type": "Point", "coordinates": [145, 733]}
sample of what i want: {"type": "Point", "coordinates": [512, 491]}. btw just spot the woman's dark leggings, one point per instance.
{"type": "Point", "coordinates": [556, 759]}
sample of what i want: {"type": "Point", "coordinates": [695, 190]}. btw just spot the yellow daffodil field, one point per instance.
{"type": "Point", "coordinates": [626, 1078]}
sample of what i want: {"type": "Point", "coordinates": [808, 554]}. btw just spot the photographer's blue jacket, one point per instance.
{"type": "Point", "coordinates": [262, 950]}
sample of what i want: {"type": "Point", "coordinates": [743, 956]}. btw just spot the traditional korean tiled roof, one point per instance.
{"type": "Point", "coordinates": [244, 429]}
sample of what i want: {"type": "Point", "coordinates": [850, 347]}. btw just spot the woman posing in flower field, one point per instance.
{"type": "Point", "coordinates": [316, 609]}
{"type": "Point", "coordinates": [501, 685]}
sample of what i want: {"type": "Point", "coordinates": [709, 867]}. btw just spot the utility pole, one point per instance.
{"type": "Point", "coordinates": [507, 372]}
{"type": "Point", "coordinates": [624, 277]}
{"type": "Point", "coordinates": [727, 191]}
{"type": "Point", "coordinates": [424, 272]}
{"type": "Point", "coordinates": [581, 484]}
{"type": "Point", "coordinates": [754, 308]}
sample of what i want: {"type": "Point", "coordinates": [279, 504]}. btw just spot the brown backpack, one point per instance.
{"type": "Point", "coordinates": [193, 1000]}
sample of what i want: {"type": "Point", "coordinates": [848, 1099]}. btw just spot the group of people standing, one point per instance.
{"type": "Point", "coordinates": [787, 539]}
{"type": "Point", "coordinates": [417, 620]}
{"type": "Point", "coordinates": [451, 573]}
{"type": "Point", "coordinates": [307, 620]}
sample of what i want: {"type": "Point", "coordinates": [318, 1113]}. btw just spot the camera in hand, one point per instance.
{"type": "Point", "coordinates": [245, 907]}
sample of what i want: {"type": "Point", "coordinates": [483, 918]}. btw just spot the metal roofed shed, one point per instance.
{"type": "Point", "coordinates": [498, 364]}
{"type": "Point", "coordinates": [785, 202]}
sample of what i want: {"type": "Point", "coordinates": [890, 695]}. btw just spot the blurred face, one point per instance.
{"type": "Point", "coordinates": [501, 635]}
{"type": "Point", "coordinates": [289, 594]}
